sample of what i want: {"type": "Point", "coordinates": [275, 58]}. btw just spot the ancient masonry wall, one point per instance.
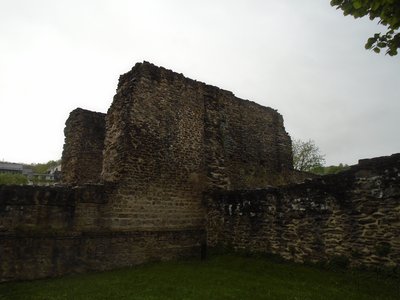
{"type": "Point", "coordinates": [354, 215]}
{"type": "Point", "coordinates": [82, 156]}
{"type": "Point", "coordinates": [246, 144]}
{"type": "Point", "coordinates": [27, 208]}
{"type": "Point", "coordinates": [135, 181]}
{"type": "Point", "coordinates": [154, 151]}
{"type": "Point", "coordinates": [53, 231]}
{"type": "Point", "coordinates": [169, 138]}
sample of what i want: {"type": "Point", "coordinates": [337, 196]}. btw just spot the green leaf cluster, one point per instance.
{"type": "Point", "coordinates": [388, 13]}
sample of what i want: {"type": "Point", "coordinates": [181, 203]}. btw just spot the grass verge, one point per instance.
{"type": "Point", "coordinates": [220, 277]}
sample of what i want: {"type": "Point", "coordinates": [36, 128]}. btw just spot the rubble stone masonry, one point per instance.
{"type": "Point", "coordinates": [175, 164]}
{"type": "Point", "coordinates": [354, 215]}
{"type": "Point", "coordinates": [169, 138]}
{"type": "Point", "coordinates": [82, 156]}
{"type": "Point", "coordinates": [53, 231]}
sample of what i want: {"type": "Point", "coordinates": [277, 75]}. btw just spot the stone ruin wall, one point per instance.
{"type": "Point", "coordinates": [354, 215]}
{"type": "Point", "coordinates": [51, 208]}
{"type": "Point", "coordinates": [53, 231]}
{"type": "Point", "coordinates": [135, 179]}
{"type": "Point", "coordinates": [154, 152]}
{"type": "Point", "coordinates": [246, 144]}
{"type": "Point", "coordinates": [169, 138]}
{"type": "Point", "coordinates": [82, 157]}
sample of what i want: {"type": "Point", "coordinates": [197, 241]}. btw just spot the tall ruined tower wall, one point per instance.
{"type": "Point", "coordinates": [169, 138]}
{"type": "Point", "coordinates": [154, 151]}
{"type": "Point", "coordinates": [246, 144]}
{"type": "Point", "coordinates": [233, 142]}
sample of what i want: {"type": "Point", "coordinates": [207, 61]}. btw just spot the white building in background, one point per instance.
{"type": "Point", "coordinates": [54, 173]}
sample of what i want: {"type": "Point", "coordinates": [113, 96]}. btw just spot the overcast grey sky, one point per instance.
{"type": "Point", "coordinates": [303, 58]}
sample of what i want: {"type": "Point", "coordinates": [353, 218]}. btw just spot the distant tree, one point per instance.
{"type": "Point", "coordinates": [43, 167]}
{"type": "Point", "coordinates": [306, 156]}
{"type": "Point", "coordinates": [388, 13]}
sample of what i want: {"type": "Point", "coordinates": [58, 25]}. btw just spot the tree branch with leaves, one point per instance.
{"type": "Point", "coordinates": [388, 13]}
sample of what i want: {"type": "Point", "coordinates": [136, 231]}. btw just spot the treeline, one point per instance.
{"type": "Point", "coordinates": [42, 168]}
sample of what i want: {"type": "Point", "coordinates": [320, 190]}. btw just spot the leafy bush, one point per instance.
{"type": "Point", "coordinates": [7, 178]}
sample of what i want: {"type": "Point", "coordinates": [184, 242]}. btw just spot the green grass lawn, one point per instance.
{"type": "Point", "coordinates": [219, 277]}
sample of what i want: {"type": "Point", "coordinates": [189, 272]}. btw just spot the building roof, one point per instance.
{"type": "Point", "coordinates": [11, 166]}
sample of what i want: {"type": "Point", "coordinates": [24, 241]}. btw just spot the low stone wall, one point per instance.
{"type": "Point", "coordinates": [354, 215]}
{"type": "Point", "coordinates": [53, 231]}
{"type": "Point", "coordinates": [53, 207]}
{"type": "Point", "coordinates": [33, 255]}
